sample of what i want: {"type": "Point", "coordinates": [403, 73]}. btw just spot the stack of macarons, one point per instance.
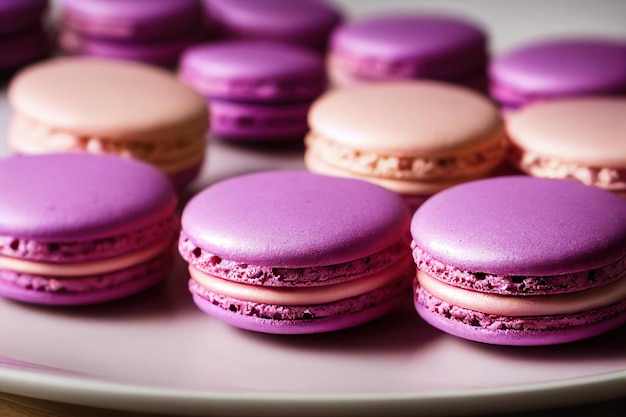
{"type": "Point", "coordinates": [82, 228]}
{"type": "Point", "coordinates": [257, 90]}
{"type": "Point", "coordinates": [121, 108]}
{"type": "Point", "coordinates": [413, 137]}
{"type": "Point", "coordinates": [307, 23]}
{"type": "Point", "coordinates": [155, 31]}
{"type": "Point", "coordinates": [22, 35]}
{"type": "Point", "coordinates": [409, 46]}
{"type": "Point", "coordinates": [558, 68]}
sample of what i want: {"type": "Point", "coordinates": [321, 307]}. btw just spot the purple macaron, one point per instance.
{"type": "Point", "coordinates": [83, 228]}
{"type": "Point", "coordinates": [393, 47]}
{"type": "Point", "coordinates": [558, 68]}
{"type": "Point", "coordinates": [521, 261]}
{"type": "Point", "coordinates": [22, 36]}
{"type": "Point", "coordinates": [291, 252]}
{"type": "Point", "coordinates": [155, 31]}
{"type": "Point", "coordinates": [303, 22]}
{"type": "Point", "coordinates": [257, 90]}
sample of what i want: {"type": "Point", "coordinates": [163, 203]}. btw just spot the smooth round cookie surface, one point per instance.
{"type": "Point", "coordinates": [565, 66]}
{"type": "Point", "coordinates": [136, 10]}
{"type": "Point", "coordinates": [522, 226]}
{"type": "Point", "coordinates": [68, 197]}
{"type": "Point", "coordinates": [294, 219]}
{"type": "Point", "coordinates": [105, 97]}
{"type": "Point", "coordinates": [406, 118]}
{"type": "Point", "coordinates": [590, 131]}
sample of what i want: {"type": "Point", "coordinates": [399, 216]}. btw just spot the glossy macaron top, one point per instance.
{"type": "Point", "coordinates": [406, 118]}
{"type": "Point", "coordinates": [306, 22]}
{"type": "Point", "coordinates": [589, 130]}
{"type": "Point", "coordinates": [563, 67]}
{"type": "Point", "coordinates": [294, 219]}
{"type": "Point", "coordinates": [522, 226]}
{"type": "Point", "coordinates": [413, 39]}
{"type": "Point", "coordinates": [131, 18]}
{"type": "Point", "coordinates": [19, 15]}
{"type": "Point", "coordinates": [67, 197]}
{"type": "Point", "coordinates": [254, 70]}
{"type": "Point", "coordinates": [109, 98]}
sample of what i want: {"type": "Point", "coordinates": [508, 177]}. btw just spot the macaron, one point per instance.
{"type": "Point", "coordinates": [22, 36]}
{"type": "Point", "coordinates": [582, 139]}
{"type": "Point", "coordinates": [409, 46]}
{"type": "Point", "coordinates": [155, 31]}
{"type": "Point", "coordinates": [83, 229]}
{"type": "Point", "coordinates": [413, 137]}
{"type": "Point", "coordinates": [306, 23]}
{"type": "Point", "coordinates": [558, 68]}
{"type": "Point", "coordinates": [121, 108]}
{"type": "Point", "coordinates": [257, 90]}
{"type": "Point", "coordinates": [289, 252]}
{"type": "Point", "coordinates": [521, 261]}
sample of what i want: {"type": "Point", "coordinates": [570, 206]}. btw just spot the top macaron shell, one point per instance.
{"type": "Point", "coordinates": [294, 219]}
{"type": "Point", "coordinates": [406, 118]}
{"type": "Point", "coordinates": [136, 19]}
{"type": "Point", "coordinates": [590, 131]}
{"type": "Point", "coordinates": [563, 67]}
{"type": "Point", "coordinates": [20, 15]}
{"type": "Point", "coordinates": [306, 22]}
{"type": "Point", "coordinates": [68, 197]}
{"type": "Point", "coordinates": [552, 227]}
{"type": "Point", "coordinates": [254, 70]}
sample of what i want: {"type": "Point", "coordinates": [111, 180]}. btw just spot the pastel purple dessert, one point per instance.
{"type": "Point", "coordinates": [155, 31]}
{"type": "Point", "coordinates": [83, 228]}
{"type": "Point", "coordinates": [291, 252]}
{"type": "Point", "coordinates": [18, 16]}
{"type": "Point", "coordinates": [407, 46]}
{"type": "Point", "coordinates": [558, 68]}
{"type": "Point", "coordinates": [306, 23]}
{"type": "Point", "coordinates": [521, 261]}
{"type": "Point", "coordinates": [257, 90]}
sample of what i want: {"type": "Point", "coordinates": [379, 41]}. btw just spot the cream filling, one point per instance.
{"type": "Point", "coordinates": [406, 187]}
{"type": "Point", "coordinates": [479, 159]}
{"type": "Point", "coordinates": [83, 269]}
{"type": "Point", "coordinates": [608, 178]}
{"type": "Point", "coordinates": [519, 306]}
{"type": "Point", "coordinates": [170, 155]}
{"type": "Point", "coordinates": [301, 296]}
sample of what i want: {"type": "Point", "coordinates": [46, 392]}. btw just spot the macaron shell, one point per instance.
{"type": "Point", "coordinates": [68, 197]}
{"type": "Point", "coordinates": [560, 67]}
{"type": "Point", "coordinates": [307, 220]}
{"type": "Point", "coordinates": [406, 118]}
{"type": "Point", "coordinates": [114, 99]}
{"type": "Point", "coordinates": [590, 131]}
{"type": "Point", "coordinates": [568, 227]}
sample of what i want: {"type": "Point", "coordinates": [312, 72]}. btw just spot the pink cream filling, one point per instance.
{"type": "Point", "coordinates": [301, 296]}
{"type": "Point", "coordinates": [539, 305]}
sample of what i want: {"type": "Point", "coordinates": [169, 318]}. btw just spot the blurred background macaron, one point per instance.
{"type": "Point", "coordinates": [581, 139]}
{"type": "Point", "coordinates": [23, 38]}
{"type": "Point", "coordinates": [83, 228]}
{"type": "Point", "coordinates": [113, 107]}
{"type": "Point", "coordinates": [303, 22]}
{"type": "Point", "coordinates": [155, 31]}
{"type": "Point", "coordinates": [409, 46]}
{"type": "Point", "coordinates": [257, 90]}
{"type": "Point", "coordinates": [413, 137]}
{"type": "Point", "coordinates": [558, 68]}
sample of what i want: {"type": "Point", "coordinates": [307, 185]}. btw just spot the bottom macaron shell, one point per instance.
{"type": "Point", "coordinates": [583, 325]}
{"type": "Point", "coordinates": [258, 121]}
{"type": "Point", "coordinates": [107, 287]}
{"type": "Point", "coordinates": [182, 178]}
{"type": "Point", "coordinates": [322, 325]}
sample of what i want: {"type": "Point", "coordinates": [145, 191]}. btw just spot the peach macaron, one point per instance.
{"type": "Point", "coordinates": [413, 137]}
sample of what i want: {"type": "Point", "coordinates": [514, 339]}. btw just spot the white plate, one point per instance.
{"type": "Point", "coordinates": [156, 352]}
